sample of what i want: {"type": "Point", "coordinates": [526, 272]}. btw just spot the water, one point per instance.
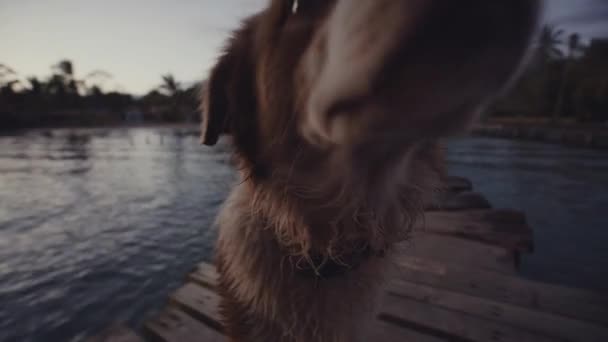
{"type": "Point", "coordinates": [564, 193]}
{"type": "Point", "coordinates": [98, 226]}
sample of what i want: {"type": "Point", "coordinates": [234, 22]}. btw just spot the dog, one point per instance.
{"type": "Point", "coordinates": [336, 110]}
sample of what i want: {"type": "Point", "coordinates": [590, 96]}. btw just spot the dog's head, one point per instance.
{"type": "Point", "coordinates": [352, 93]}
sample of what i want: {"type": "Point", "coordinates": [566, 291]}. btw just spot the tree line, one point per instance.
{"type": "Point", "coordinates": [566, 81]}
{"type": "Point", "coordinates": [65, 99]}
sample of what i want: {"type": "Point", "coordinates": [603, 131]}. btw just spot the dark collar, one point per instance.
{"type": "Point", "coordinates": [326, 267]}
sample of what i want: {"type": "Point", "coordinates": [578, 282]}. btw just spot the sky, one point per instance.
{"type": "Point", "coordinates": [137, 41]}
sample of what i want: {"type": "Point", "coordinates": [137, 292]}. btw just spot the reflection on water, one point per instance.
{"type": "Point", "coordinates": [564, 193]}
{"type": "Point", "coordinates": [99, 226]}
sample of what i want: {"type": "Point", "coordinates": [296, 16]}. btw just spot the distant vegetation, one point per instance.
{"type": "Point", "coordinates": [566, 81]}
{"type": "Point", "coordinates": [65, 99]}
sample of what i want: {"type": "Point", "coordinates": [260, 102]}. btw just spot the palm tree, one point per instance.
{"type": "Point", "coordinates": [575, 47]}
{"type": "Point", "coordinates": [170, 86]}
{"type": "Point", "coordinates": [549, 42]}
{"type": "Point", "coordinates": [7, 74]}
{"type": "Point", "coordinates": [64, 74]}
{"type": "Point", "coordinates": [65, 70]}
{"type": "Point", "coordinates": [8, 80]}
{"type": "Point", "coordinates": [548, 51]}
{"type": "Point", "coordinates": [65, 67]}
{"type": "Point", "coordinates": [56, 86]}
{"type": "Point", "coordinates": [36, 87]}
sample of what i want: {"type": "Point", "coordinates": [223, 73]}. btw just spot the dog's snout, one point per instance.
{"type": "Point", "coordinates": [409, 62]}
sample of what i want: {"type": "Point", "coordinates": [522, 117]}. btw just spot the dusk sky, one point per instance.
{"type": "Point", "coordinates": [138, 40]}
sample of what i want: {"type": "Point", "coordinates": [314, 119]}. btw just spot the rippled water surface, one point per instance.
{"type": "Point", "coordinates": [98, 226]}
{"type": "Point", "coordinates": [564, 193]}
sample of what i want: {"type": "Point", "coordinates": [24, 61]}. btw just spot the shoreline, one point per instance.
{"type": "Point", "coordinates": [119, 126]}
{"type": "Point", "coordinates": [594, 137]}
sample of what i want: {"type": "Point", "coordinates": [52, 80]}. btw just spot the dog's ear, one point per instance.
{"type": "Point", "coordinates": [214, 104]}
{"type": "Point", "coordinates": [229, 90]}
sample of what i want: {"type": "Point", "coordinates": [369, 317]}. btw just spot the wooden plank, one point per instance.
{"type": "Point", "coordinates": [454, 250]}
{"type": "Point", "coordinates": [205, 275]}
{"type": "Point", "coordinates": [530, 320]}
{"type": "Point", "coordinates": [509, 301]}
{"type": "Point", "coordinates": [460, 201]}
{"type": "Point", "coordinates": [383, 331]}
{"type": "Point", "coordinates": [380, 331]}
{"type": "Point", "coordinates": [505, 228]}
{"type": "Point", "coordinates": [116, 333]}
{"type": "Point", "coordinates": [174, 325]}
{"type": "Point", "coordinates": [199, 302]}
{"type": "Point", "coordinates": [574, 303]}
{"type": "Point", "coordinates": [452, 325]}
{"type": "Point", "coordinates": [207, 267]}
{"type": "Point", "coordinates": [458, 184]}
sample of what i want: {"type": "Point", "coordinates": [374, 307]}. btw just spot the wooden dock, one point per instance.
{"type": "Point", "coordinates": [458, 282]}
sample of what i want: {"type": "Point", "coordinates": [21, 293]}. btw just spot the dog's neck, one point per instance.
{"type": "Point", "coordinates": [329, 235]}
{"type": "Point", "coordinates": [324, 267]}
{"type": "Point", "coordinates": [330, 213]}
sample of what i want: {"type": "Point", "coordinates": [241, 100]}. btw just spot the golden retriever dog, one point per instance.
{"type": "Point", "coordinates": [335, 109]}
